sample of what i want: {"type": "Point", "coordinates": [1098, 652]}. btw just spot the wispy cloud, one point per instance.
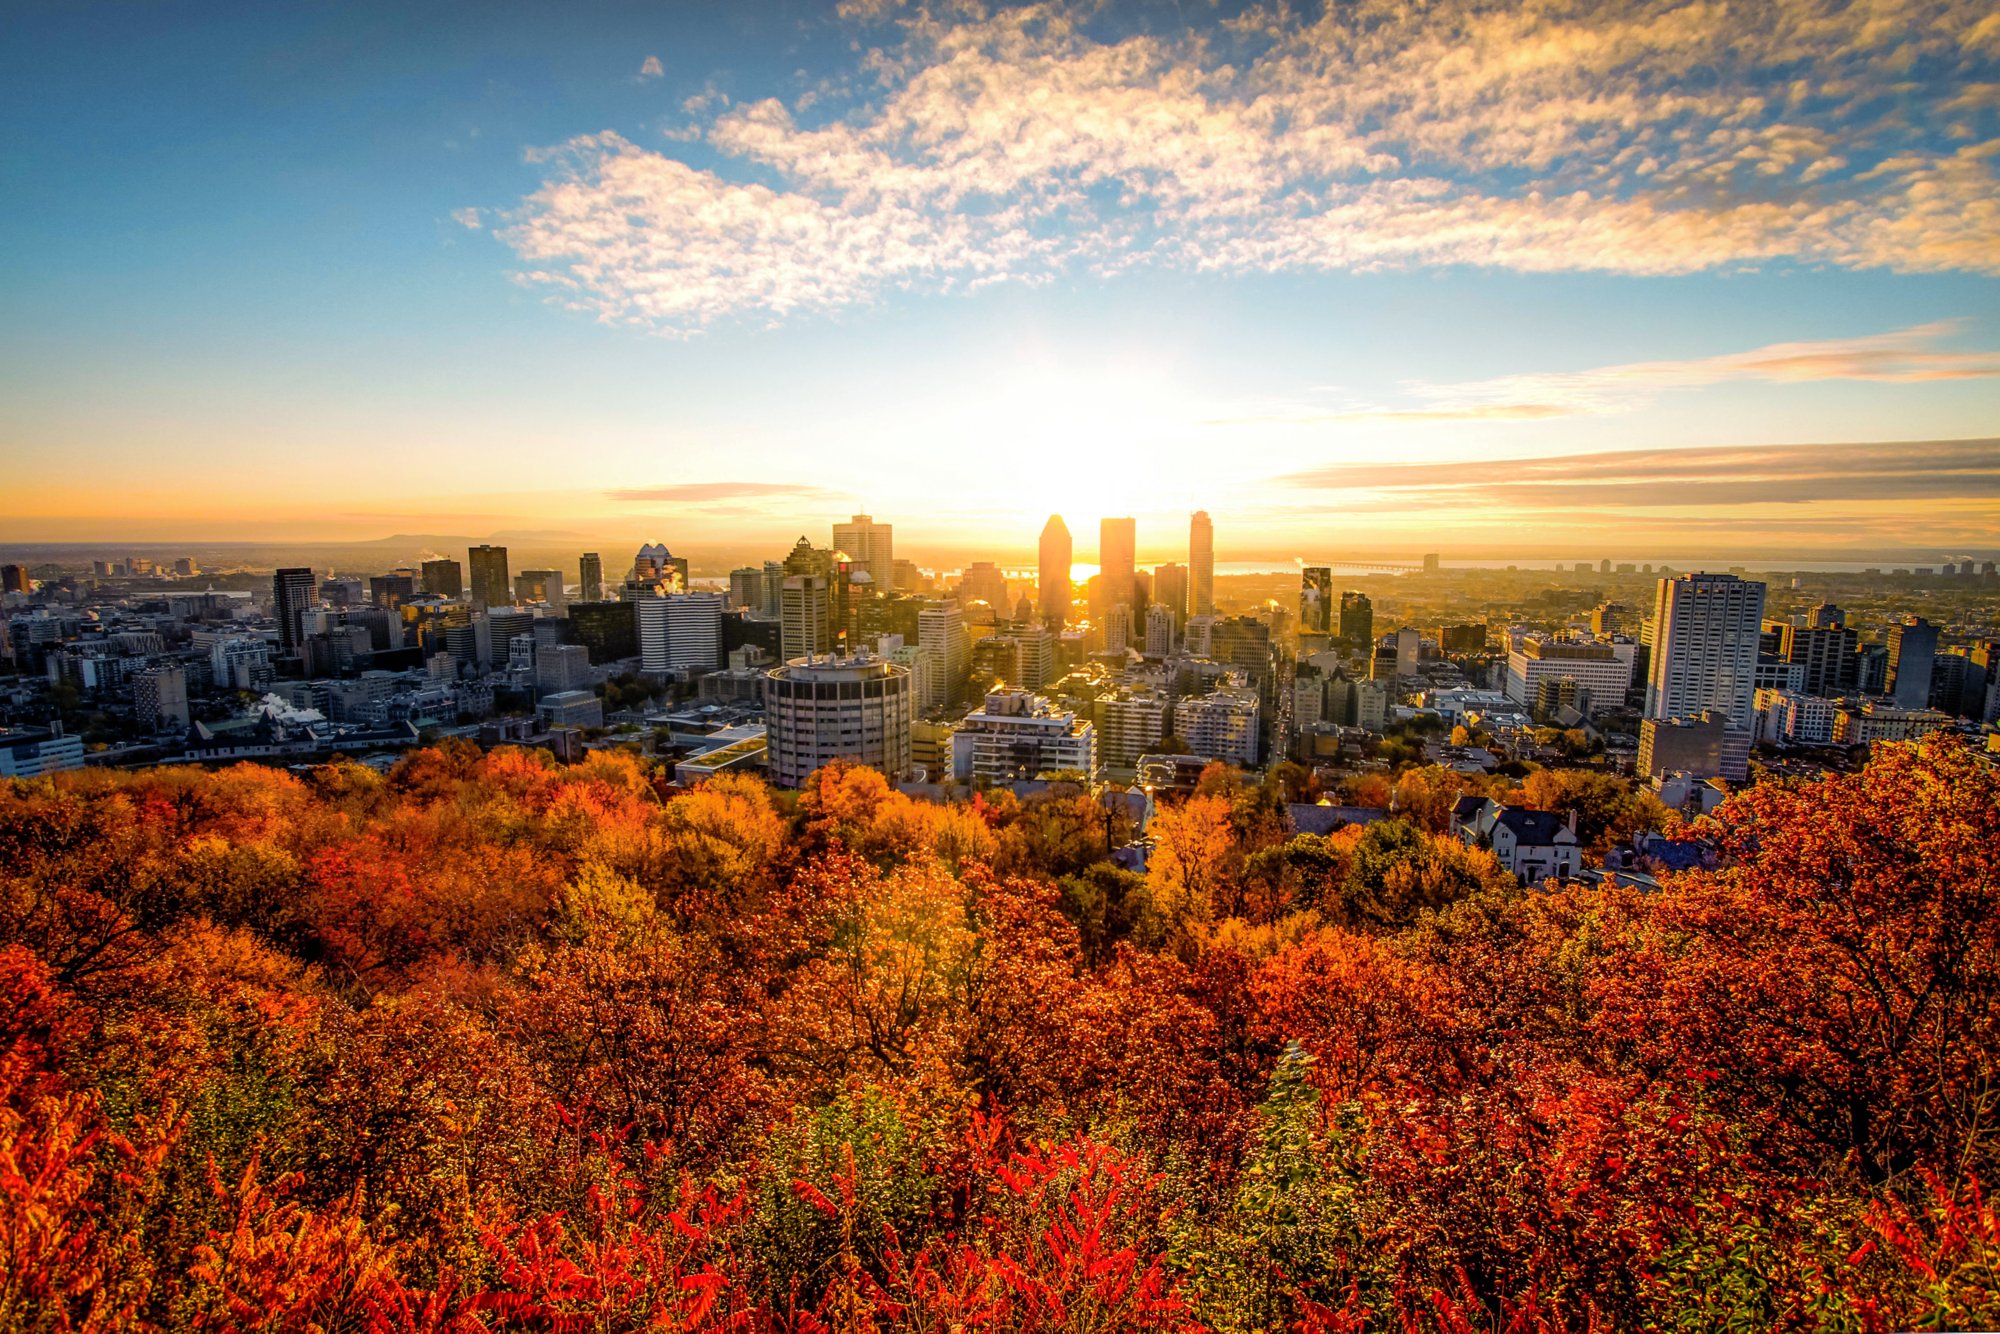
{"type": "Point", "coordinates": [1647, 137]}
{"type": "Point", "coordinates": [651, 68]}
{"type": "Point", "coordinates": [702, 492]}
{"type": "Point", "coordinates": [1682, 479]}
{"type": "Point", "coordinates": [1900, 356]}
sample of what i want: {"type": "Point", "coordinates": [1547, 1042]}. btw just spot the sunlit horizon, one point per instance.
{"type": "Point", "coordinates": [714, 278]}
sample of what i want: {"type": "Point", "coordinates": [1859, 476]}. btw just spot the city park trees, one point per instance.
{"type": "Point", "coordinates": [495, 1043]}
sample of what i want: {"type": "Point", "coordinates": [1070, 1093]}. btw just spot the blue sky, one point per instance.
{"type": "Point", "coordinates": [1345, 280]}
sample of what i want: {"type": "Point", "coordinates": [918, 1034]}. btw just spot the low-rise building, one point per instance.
{"type": "Point", "coordinates": [571, 708]}
{"type": "Point", "coordinates": [1018, 735]}
{"type": "Point", "coordinates": [1601, 667]}
{"type": "Point", "coordinates": [1532, 845]}
{"type": "Point", "coordinates": [1787, 717]}
{"type": "Point", "coordinates": [30, 752]}
{"type": "Point", "coordinates": [1878, 721]}
{"type": "Point", "coordinates": [1704, 747]}
{"type": "Point", "coordinates": [745, 755]}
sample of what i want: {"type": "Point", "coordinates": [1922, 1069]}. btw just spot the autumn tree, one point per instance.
{"type": "Point", "coordinates": [1608, 809]}
{"type": "Point", "coordinates": [1397, 870]}
{"type": "Point", "coordinates": [1191, 870]}
{"type": "Point", "coordinates": [1841, 971]}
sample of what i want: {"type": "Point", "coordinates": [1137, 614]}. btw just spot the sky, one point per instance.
{"type": "Point", "coordinates": [1362, 280]}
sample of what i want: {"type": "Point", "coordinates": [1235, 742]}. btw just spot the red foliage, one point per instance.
{"type": "Point", "coordinates": [364, 1053]}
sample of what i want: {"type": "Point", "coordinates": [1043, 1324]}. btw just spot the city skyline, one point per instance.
{"type": "Point", "coordinates": [1722, 286]}
{"type": "Point", "coordinates": [1311, 665]}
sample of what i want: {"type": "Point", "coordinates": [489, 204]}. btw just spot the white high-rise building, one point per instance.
{"type": "Point", "coordinates": [1018, 735]}
{"type": "Point", "coordinates": [1308, 698]}
{"type": "Point", "coordinates": [680, 632]}
{"type": "Point", "coordinates": [1130, 723]}
{"type": "Point", "coordinates": [947, 649]}
{"type": "Point", "coordinates": [1705, 647]}
{"type": "Point", "coordinates": [1409, 650]}
{"type": "Point", "coordinates": [160, 697]}
{"type": "Point", "coordinates": [911, 659]}
{"type": "Point", "coordinates": [1036, 653]}
{"type": "Point", "coordinates": [240, 662]}
{"type": "Point", "coordinates": [818, 710]}
{"type": "Point", "coordinates": [1704, 651]}
{"type": "Point", "coordinates": [1222, 725]}
{"type": "Point", "coordinates": [651, 615]}
{"type": "Point", "coordinates": [694, 631]}
{"type": "Point", "coordinates": [1159, 630]}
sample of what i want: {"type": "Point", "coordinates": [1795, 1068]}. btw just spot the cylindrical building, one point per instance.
{"type": "Point", "coordinates": [821, 709]}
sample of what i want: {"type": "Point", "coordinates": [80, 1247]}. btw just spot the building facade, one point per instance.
{"type": "Point", "coordinates": [1912, 654]}
{"type": "Point", "coordinates": [822, 709]}
{"type": "Point", "coordinates": [1316, 600]}
{"type": "Point", "coordinates": [293, 591]}
{"type": "Point", "coordinates": [805, 616]}
{"type": "Point", "coordinates": [946, 648]}
{"type": "Point", "coordinates": [1052, 584]}
{"type": "Point", "coordinates": [1201, 565]}
{"type": "Point", "coordinates": [1604, 669]}
{"type": "Point", "coordinates": [1222, 725]}
{"type": "Point", "coordinates": [1017, 736]}
{"type": "Point", "coordinates": [486, 572]}
{"type": "Point", "coordinates": [1117, 563]}
{"type": "Point", "coordinates": [871, 546]}
{"type": "Point", "coordinates": [1706, 633]}
{"type": "Point", "coordinates": [443, 578]}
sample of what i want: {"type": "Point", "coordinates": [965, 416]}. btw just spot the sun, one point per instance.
{"type": "Point", "coordinates": [1081, 441]}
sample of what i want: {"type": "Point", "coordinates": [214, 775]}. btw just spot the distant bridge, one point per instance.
{"type": "Point", "coordinates": [1367, 567]}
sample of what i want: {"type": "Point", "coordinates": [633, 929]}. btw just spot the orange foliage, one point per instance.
{"type": "Point", "coordinates": [494, 1042]}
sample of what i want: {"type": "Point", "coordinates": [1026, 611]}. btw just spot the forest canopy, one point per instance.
{"type": "Point", "coordinates": [489, 1042]}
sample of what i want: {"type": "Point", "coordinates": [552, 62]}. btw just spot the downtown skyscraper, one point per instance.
{"type": "Point", "coordinates": [491, 587]}
{"type": "Point", "coordinates": [1201, 565]}
{"type": "Point", "coordinates": [1052, 585]}
{"type": "Point", "coordinates": [443, 578]}
{"type": "Point", "coordinates": [293, 590]}
{"type": "Point", "coordinates": [1357, 622]}
{"type": "Point", "coordinates": [1117, 562]}
{"type": "Point", "coordinates": [1913, 645]}
{"type": "Point", "coordinates": [1316, 600]}
{"type": "Point", "coordinates": [1706, 630]}
{"type": "Point", "coordinates": [871, 546]}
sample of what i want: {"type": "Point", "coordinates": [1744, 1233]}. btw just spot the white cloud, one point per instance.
{"type": "Point", "coordinates": [651, 68]}
{"type": "Point", "coordinates": [1901, 356]}
{"type": "Point", "coordinates": [467, 218]}
{"type": "Point", "coordinates": [1648, 138]}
